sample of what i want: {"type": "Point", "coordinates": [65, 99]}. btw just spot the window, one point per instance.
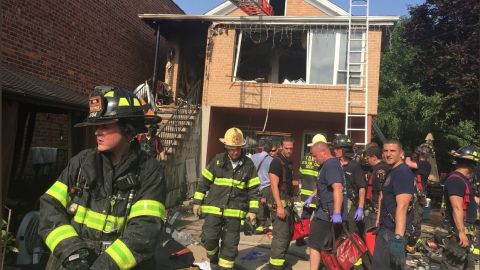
{"type": "Point", "coordinates": [294, 56]}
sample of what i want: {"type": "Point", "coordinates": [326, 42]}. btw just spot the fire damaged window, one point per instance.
{"type": "Point", "coordinates": [271, 56]}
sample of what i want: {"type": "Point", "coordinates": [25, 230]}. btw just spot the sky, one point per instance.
{"type": "Point", "coordinates": [377, 7]}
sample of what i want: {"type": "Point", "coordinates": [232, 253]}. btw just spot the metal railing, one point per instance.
{"type": "Point", "coordinates": [179, 120]}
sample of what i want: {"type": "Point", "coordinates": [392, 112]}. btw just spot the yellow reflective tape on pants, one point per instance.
{"type": "Point", "coordinates": [359, 262]}
{"type": "Point", "coordinates": [260, 229]}
{"type": "Point", "coordinates": [253, 204]}
{"type": "Point", "coordinates": [123, 102]}
{"type": "Point", "coordinates": [121, 254]}
{"type": "Point", "coordinates": [475, 251]}
{"type": "Point", "coordinates": [309, 172]}
{"type": "Point", "coordinates": [225, 263]}
{"type": "Point", "coordinates": [208, 209]}
{"type": "Point", "coordinates": [277, 262]}
{"type": "Point", "coordinates": [59, 191]}
{"type": "Point", "coordinates": [147, 208]}
{"type": "Point", "coordinates": [312, 205]}
{"type": "Point", "coordinates": [212, 252]}
{"type": "Point", "coordinates": [306, 192]}
{"type": "Point", "coordinates": [97, 221]}
{"type": "Point", "coordinates": [207, 174]}
{"type": "Point", "coordinates": [253, 182]}
{"type": "Point", "coordinates": [229, 182]}
{"type": "Point", "coordinates": [199, 196]}
{"type": "Point", "coordinates": [58, 235]}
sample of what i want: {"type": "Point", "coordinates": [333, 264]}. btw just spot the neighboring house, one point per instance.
{"type": "Point", "coordinates": [271, 75]}
{"type": "Point", "coordinates": [53, 54]}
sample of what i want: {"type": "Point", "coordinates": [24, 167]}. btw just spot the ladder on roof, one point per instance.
{"type": "Point", "coordinates": [356, 105]}
{"type": "Point", "coordinates": [254, 7]}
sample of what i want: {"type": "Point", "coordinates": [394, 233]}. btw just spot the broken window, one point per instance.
{"type": "Point", "coordinates": [294, 56]}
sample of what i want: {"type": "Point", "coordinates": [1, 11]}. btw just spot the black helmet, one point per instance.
{"type": "Point", "coordinates": [248, 227]}
{"type": "Point", "coordinates": [108, 104]}
{"type": "Point", "coordinates": [469, 152]}
{"type": "Point", "coordinates": [342, 141]}
{"type": "Point", "coordinates": [424, 149]}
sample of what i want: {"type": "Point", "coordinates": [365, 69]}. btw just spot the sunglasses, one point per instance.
{"type": "Point", "coordinates": [273, 150]}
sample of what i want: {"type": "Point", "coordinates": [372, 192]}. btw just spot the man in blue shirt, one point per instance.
{"type": "Point", "coordinates": [397, 192]}
{"type": "Point", "coordinates": [262, 162]}
{"type": "Point", "coordinates": [329, 205]}
{"type": "Point", "coordinates": [461, 211]}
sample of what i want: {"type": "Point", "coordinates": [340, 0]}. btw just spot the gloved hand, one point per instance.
{"type": "Point", "coordinates": [308, 201]}
{"type": "Point", "coordinates": [79, 260]}
{"type": "Point", "coordinates": [397, 252]}
{"type": "Point", "coordinates": [359, 214]}
{"type": "Point", "coordinates": [251, 217]}
{"type": "Point", "coordinates": [336, 218]}
{"type": "Point", "coordinates": [197, 210]}
{"type": "Point", "coordinates": [454, 252]}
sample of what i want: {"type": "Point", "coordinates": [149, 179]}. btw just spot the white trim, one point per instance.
{"type": "Point", "coordinates": [239, 45]}
{"type": "Point", "coordinates": [328, 7]}
{"type": "Point", "coordinates": [222, 9]}
{"type": "Point", "coordinates": [336, 59]}
{"type": "Point", "coordinates": [285, 9]}
{"type": "Point", "coordinates": [309, 55]}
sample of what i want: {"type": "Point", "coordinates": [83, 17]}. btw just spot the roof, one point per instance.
{"type": "Point", "coordinates": [26, 86]}
{"type": "Point", "coordinates": [324, 5]}
{"type": "Point", "coordinates": [270, 20]}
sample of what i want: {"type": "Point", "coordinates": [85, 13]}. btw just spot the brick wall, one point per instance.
{"type": "Point", "coordinates": [301, 8]}
{"type": "Point", "coordinates": [80, 44]}
{"type": "Point", "coordinates": [220, 91]}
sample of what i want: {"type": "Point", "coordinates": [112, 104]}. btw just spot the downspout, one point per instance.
{"type": "Point", "coordinates": [155, 61]}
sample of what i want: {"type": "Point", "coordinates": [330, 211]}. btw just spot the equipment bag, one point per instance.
{"type": "Point", "coordinates": [346, 251]}
{"type": "Point", "coordinates": [301, 228]}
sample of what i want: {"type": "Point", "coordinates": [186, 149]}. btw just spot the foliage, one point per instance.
{"type": "Point", "coordinates": [8, 241]}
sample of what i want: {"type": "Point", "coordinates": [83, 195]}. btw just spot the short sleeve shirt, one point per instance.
{"type": "Point", "coordinates": [265, 159]}
{"type": "Point", "coordinates": [400, 180]}
{"type": "Point", "coordinates": [354, 175]}
{"type": "Point", "coordinates": [423, 169]}
{"type": "Point", "coordinates": [456, 184]}
{"type": "Point", "coordinates": [276, 168]}
{"type": "Point", "coordinates": [330, 174]}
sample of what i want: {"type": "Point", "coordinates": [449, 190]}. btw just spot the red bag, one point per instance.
{"type": "Point", "coordinates": [347, 250]}
{"type": "Point", "coordinates": [301, 228]}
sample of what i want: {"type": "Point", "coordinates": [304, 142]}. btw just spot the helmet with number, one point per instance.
{"type": "Point", "coordinates": [342, 141]}
{"type": "Point", "coordinates": [233, 138]}
{"type": "Point", "coordinates": [108, 104]}
{"type": "Point", "coordinates": [469, 152]}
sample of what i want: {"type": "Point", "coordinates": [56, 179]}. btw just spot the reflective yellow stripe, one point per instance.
{"type": "Point", "coordinates": [312, 205]}
{"type": "Point", "coordinates": [147, 208]}
{"type": "Point", "coordinates": [212, 252]}
{"type": "Point", "coordinates": [225, 263]}
{"type": "Point", "coordinates": [58, 235]}
{"type": "Point", "coordinates": [475, 251]}
{"type": "Point", "coordinates": [306, 192]}
{"type": "Point", "coordinates": [208, 209]}
{"type": "Point", "coordinates": [199, 196]}
{"type": "Point", "coordinates": [229, 182]}
{"type": "Point", "coordinates": [109, 94]}
{"type": "Point", "coordinates": [123, 102]}
{"type": "Point", "coordinates": [309, 172]}
{"type": "Point", "coordinates": [234, 213]}
{"type": "Point", "coordinates": [443, 205]}
{"type": "Point", "coordinates": [121, 254]}
{"type": "Point", "coordinates": [207, 174]}
{"type": "Point", "coordinates": [136, 102]}
{"type": "Point", "coordinates": [277, 262]}
{"type": "Point", "coordinates": [97, 221]}
{"type": "Point", "coordinates": [59, 191]}
{"type": "Point", "coordinates": [260, 229]}
{"type": "Point", "coordinates": [253, 204]}
{"type": "Point", "coordinates": [359, 262]}
{"type": "Point", "coordinates": [253, 182]}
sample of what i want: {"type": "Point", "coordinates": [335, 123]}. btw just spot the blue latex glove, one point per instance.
{"type": "Point", "coordinates": [336, 218]}
{"type": "Point", "coordinates": [397, 253]}
{"type": "Point", "coordinates": [359, 214]}
{"type": "Point", "coordinates": [308, 201]}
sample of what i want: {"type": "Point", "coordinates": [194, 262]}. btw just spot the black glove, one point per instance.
{"type": "Point", "coordinates": [79, 260]}
{"type": "Point", "coordinates": [454, 252]}
{"type": "Point", "coordinates": [397, 252]}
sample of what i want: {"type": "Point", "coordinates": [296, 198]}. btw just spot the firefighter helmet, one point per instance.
{"type": "Point", "coordinates": [469, 152]}
{"type": "Point", "coordinates": [423, 149]}
{"type": "Point", "coordinates": [342, 141]}
{"type": "Point", "coordinates": [317, 138]}
{"type": "Point", "coordinates": [233, 138]}
{"type": "Point", "coordinates": [109, 104]}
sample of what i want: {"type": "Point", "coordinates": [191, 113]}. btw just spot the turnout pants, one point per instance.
{"type": "Point", "coordinates": [216, 228]}
{"type": "Point", "coordinates": [381, 257]}
{"type": "Point", "coordinates": [263, 210]}
{"type": "Point", "coordinates": [282, 234]}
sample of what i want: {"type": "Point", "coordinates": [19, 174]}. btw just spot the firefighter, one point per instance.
{"type": "Point", "coordinates": [355, 180]}
{"type": "Point", "coordinates": [232, 185]}
{"type": "Point", "coordinates": [281, 185]}
{"type": "Point", "coordinates": [308, 177]}
{"type": "Point", "coordinates": [462, 247]}
{"type": "Point", "coordinates": [107, 207]}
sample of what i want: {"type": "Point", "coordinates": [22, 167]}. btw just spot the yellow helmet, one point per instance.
{"type": "Point", "coordinates": [317, 138]}
{"type": "Point", "coordinates": [233, 138]}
